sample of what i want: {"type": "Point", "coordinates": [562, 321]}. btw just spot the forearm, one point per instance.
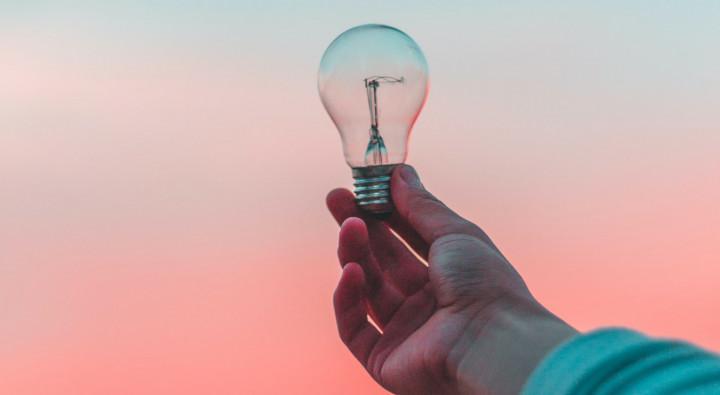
{"type": "Point", "coordinates": [504, 350]}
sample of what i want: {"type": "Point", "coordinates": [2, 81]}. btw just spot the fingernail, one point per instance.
{"type": "Point", "coordinates": [410, 176]}
{"type": "Point", "coordinates": [347, 220]}
{"type": "Point", "coordinates": [351, 219]}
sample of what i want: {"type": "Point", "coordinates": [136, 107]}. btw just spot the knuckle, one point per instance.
{"type": "Point", "coordinates": [453, 241]}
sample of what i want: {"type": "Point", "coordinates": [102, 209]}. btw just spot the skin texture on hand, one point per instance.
{"type": "Point", "coordinates": [463, 323]}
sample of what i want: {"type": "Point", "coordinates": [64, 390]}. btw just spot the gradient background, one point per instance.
{"type": "Point", "coordinates": [163, 167]}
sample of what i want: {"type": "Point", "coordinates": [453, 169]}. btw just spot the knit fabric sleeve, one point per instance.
{"type": "Point", "coordinates": [620, 361]}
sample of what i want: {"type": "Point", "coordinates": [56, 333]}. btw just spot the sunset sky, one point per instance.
{"type": "Point", "coordinates": [163, 167]}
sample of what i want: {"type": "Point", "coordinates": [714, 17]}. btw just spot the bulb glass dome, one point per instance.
{"type": "Point", "coordinates": [373, 81]}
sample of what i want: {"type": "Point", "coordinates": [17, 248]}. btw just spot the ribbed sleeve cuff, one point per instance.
{"type": "Point", "coordinates": [574, 366]}
{"type": "Point", "coordinates": [619, 361]}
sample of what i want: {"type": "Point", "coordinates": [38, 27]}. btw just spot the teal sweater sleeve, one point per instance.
{"type": "Point", "coordinates": [620, 362]}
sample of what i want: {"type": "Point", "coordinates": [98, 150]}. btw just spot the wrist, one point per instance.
{"type": "Point", "coordinates": [503, 345]}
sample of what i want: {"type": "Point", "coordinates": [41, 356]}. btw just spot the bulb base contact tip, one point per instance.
{"type": "Point", "coordinates": [372, 188]}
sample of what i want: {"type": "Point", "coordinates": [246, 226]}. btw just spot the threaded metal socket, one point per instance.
{"type": "Point", "coordinates": [372, 188]}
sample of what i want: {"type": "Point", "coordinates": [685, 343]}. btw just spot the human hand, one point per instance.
{"type": "Point", "coordinates": [466, 323]}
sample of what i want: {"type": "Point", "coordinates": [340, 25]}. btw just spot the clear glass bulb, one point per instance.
{"type": "Point", "coordinates": [373, 81]}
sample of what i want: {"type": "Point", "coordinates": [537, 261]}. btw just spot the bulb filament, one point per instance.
{"type": "Point", "coordinates": [376, 153]}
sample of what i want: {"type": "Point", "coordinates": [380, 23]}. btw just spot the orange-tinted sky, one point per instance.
{"type": "Point", "coordinates": [163, 168]}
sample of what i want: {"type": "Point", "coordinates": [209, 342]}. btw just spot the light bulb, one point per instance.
{"type": "Point", "coordinates": [373, 81]}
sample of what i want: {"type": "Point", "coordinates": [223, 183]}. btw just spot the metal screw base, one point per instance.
{"type": "Point", "coordinates": [372, 188]}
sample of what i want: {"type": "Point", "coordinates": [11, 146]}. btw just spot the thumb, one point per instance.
{"type": "Point", "coordinates": [430, 218]}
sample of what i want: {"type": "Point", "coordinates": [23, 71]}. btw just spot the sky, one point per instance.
{"type": "Point", "coordinates": [163, 167]}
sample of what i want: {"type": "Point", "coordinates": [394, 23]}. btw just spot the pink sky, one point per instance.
{"type": "Point", "coordinates": [163, 173]}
